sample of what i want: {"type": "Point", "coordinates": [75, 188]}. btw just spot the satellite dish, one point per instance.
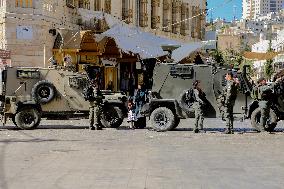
{"type": "Point", "coordinates": [170, 49]}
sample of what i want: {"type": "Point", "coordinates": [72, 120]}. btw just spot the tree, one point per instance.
{"type": "Point", "coordinates": [218, 56]}
{"type": "Point", "coordinates": [268, 67]}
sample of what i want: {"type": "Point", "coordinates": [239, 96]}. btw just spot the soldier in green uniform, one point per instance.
{"type": "Point", "coordinates": [230, 93]}
{"type": "Point", "coordinates": [95, 109]}
{"type": "Point", "coordinates": [198, 105]}
{"type": "Point", "coordinates": [264, 95]}
{"type": "Point", "coordinates": [95, 97]}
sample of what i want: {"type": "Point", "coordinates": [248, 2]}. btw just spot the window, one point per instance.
{"type": "Point", "coordinates": [31, 74]}
{"type": "Point", "coordinates": [127, 13]}
{"type": "Point", "coordinates": [24, 3]}
{"type": "Point", "coordinates": [181, 71]}
{"type": "Point", "coordinates": [97, 5]}
{"type": "Point", "coordinates": [70, 3]}
{"type": "Point", "coordinates": [85, 4]}
{"type": "Point", "coordinates": [108, 6]}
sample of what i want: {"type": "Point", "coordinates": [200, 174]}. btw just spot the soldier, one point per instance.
{"type": "Point", "coordinates": [198, 105]}
{"type": "Point", "coordinates": [94, 96]}
{"type": "Point", "coordinates": [264, 95]}
{"type": "Point", "coordinates": [230, 94]}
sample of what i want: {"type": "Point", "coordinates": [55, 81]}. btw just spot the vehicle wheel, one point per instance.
{"type": "Point", "coordinates": [271, 123]}
{"type": "Point", "coordinates": [112, 117]}
{"type": "Point", "coordinates": [162, 119]}
{"type": "Point", "coordinates": [140, 123]}
{"type": "Point", "coordinates": [177, 121]}
{"type": "Point", "coordinates": [43, 92]}
{"type": "Point", "coordinates": [27, 118]}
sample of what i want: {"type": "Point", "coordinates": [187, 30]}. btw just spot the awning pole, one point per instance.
{"type": "Point", "coordinates": [44, 55]}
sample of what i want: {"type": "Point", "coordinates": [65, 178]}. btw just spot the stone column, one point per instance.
{"type": "Point", "coordinates": [176, 16]}
{"type": "Point", "coordinates": [155, 18]}
{"type": "Point", "coordinates": [167, 15]}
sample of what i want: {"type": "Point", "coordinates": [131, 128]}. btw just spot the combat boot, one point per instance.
{"type": "Point", "coordinates": [228, 131]}
{"type": "Point", "coordinates": [99, 127]}
{"type": "Point", "coordinates": [196, 130]}
{"type": "Point", "coordinates": [92, 128]}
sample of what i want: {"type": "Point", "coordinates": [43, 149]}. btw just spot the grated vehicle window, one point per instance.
{"type": "Point", "coordinates": [31, 74]}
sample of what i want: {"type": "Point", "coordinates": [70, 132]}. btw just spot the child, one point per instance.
{"type": "Point", "coordinates": [131, 113]}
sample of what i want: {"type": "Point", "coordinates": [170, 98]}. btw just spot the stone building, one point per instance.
{"type": "Point", "coordinates": [29, 28]}
{"type": "Point", "coordinates": [236, 39]}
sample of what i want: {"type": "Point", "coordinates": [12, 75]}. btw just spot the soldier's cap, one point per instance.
{"type": "Point", "coordinates": [260, 79]}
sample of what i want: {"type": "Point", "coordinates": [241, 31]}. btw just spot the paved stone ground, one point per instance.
{"type": "Point", "coordinates": [66, 155]}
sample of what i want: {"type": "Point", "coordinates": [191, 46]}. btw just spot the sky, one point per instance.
{"type": "Point", "coordinates": [224, 9]}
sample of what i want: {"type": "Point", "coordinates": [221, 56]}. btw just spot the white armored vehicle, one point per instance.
{"type": "Point", "coordinates": [29, 94]}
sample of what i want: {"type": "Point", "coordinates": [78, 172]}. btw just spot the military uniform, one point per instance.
{"type": "Point", "coordinates": [95, 110]}
{"type": "Point", "coordinates": [198, 106]}
{"type": "Point", "coordinates": [264, 94]}
{"type": "Point", "coordinates": [230, 93]}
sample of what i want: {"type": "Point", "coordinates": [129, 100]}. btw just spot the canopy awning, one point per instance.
{"type": "Point", "coordinates": [132, 40]}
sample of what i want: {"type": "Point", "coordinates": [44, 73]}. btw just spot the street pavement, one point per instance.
{"type": "Point", "coordinates": [66, 155]}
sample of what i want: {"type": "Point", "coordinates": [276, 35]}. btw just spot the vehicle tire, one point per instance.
{"type": "Point", "coordinates": [255, 120]}
{"type": "Point", "coordinates": [43, 92]}
{"type": "Point", "coordinates": [162, 119]}
{"type": "Point", "coordinates": [27, 118]}
{"type": "Point", "coordinates": [112, 117]}
{"type": "Point", "coordinates": [140, 123]}
{"type": "Point", "coordinates": [177, 121]}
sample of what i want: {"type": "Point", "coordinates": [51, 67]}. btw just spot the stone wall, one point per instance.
{"type": "Point", "coordinates": [29, 32]}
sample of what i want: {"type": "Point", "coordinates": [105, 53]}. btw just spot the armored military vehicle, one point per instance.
{"type": "Point", "coordinates": [29, 94]}
{"type": "Point", "coordinates": [171, 81]}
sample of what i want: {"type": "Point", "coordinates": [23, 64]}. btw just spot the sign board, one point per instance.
{"type": "Point", "coordinates": [25, 32]}
{"type": "Point", "coordinates": [109, 63]}
{"type": "Point", "coordinates": [138, 66]}
{"type": "Point", "coordinates": [5, 54]}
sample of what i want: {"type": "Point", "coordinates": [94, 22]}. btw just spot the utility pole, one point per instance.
{"type": "Point", "coordinates": [235, 12]}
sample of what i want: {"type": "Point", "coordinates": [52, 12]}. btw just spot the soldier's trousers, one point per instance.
{"type": "Point", "coordinates": [199, 115]}
{"type": "Point", "coordinates": [265, 110]}
{"type": "Point", "coordinates": [229, 116]}
{"type": "Point", "coordinates": [94, 114]}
